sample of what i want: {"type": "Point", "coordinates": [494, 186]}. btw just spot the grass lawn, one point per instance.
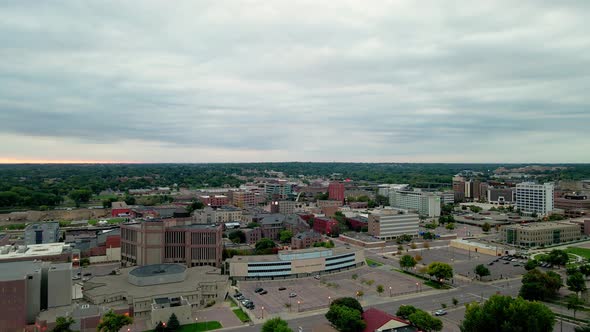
{"type": "Point", "coordinates": [583, 252]}
{"type": "Point", "coordinates": [241, 315]}
{"type": "Point", "coordinates": [372, 263]}
{"type": "Point", "coordinates": [231, 302]}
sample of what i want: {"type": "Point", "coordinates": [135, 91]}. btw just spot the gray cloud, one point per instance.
{"type": "Point", "coordinates": [256, 80]}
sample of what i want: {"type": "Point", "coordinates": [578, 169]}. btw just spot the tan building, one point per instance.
{"type": "Point", "coordinates": [159, 241]}
{"type": "Point", "coordinates": [389, 224]}
{"type": "Point", "coordinates": [243, 199]}
{"type": "Point", "coordinates": [221, 215]}
{"type": "Point", "coordinates": [540, 233]}
{"type": "Point", "coordinates": [149, 290]}
{"type": "Point", "coordinates": [294, 263]}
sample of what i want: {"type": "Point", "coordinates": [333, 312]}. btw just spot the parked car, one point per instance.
{"type": "Point", "coordinates": [491, 263]}
{"type": "Point", "coordinates": [263, 292]}
{"type": "Point", "coordinates": [440, 312]}
{"type": "Point", "coordinates": [258, 290]}
{"type": "Point", "coordinates": [507, 262]}
{"type": "Point", "coordinates": [282, 288]}
{"type": "Point", "coordinates": [317, 276]}
{"type": "Point", "coordinates": [292, 294]}
{"type": "Point", "coordinates": [237, 294]}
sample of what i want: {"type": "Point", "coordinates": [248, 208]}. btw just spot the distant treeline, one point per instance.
{"type": "Point", "coordinates": [48, 185]}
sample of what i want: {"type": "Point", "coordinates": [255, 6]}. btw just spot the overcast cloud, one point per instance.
{"type": "Point", "coordinates": [216, 81]}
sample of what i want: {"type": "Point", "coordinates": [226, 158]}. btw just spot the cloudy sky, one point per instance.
{"type": "Point", "coordinates": [217, 81]}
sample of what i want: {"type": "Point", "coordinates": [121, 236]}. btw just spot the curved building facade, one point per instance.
{"type": "Point", "coordinates": [294, 263]}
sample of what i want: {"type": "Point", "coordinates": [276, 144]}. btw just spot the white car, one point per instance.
{"type": "Point", "coordinates": [292, 294]}
{"type": "Point", "coordinates": [440, 312]}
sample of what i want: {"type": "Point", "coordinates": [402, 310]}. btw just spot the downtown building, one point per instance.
{"type": "Point", "coordinates": [534, 198]}
{"type": "Point", "coordinates": [389, 224]}
{"type": "Point", "coordinates": [169, 241]}
{"type": "Point", "coordinates": [425, 203]}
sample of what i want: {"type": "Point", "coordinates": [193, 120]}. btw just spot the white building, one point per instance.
{"type": "Point", "coordinates": [386, 225]}
{"type": "Point", "coordinates": [535, 198]}
{"type": "Point", "coordinates": [386, 189]}
{"type": "Point", "coordinates": [425, 203]}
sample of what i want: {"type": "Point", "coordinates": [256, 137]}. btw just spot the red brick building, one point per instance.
{"type": "Point", "coordinates": [214, 200]}
{"type": "Point", "coordinates": [305, 239]}
{"type": "Point", "coordinates": [326, 226]}
{"type": "Point", "coordinates": [119, 208]}
{"type": "Point", "coordinates": [336, 191]}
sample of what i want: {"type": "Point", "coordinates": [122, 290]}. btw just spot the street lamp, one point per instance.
{"type": "Point", "coordinates": [298, 306]}
{"type": "Point", "coordinates": [329, 300]}
{"type": "Point", "coordinates": [389, 291]}
{"type": "Point", "coordinates": [262, 311]}
{"type": "Point", "coordinates": [196, 323]}
{"type": "Point", "coordinates": [417, 287]}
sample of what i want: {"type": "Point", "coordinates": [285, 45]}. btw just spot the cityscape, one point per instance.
{"type": "Point", "coordinates": [294, 166]}
{"type": "Point", "coordinates": [272, 249]}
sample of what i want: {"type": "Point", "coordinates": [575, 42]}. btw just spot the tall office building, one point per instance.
{"type": "Point", "coordinates": [389, 225]}
{"type": "Point", "coordinates": [425, 203]}
{"type": "Point", "coordinates": [277, 189]}
{"type": "Point", "coordinates": [535, 198]}
{"type": "Point", "coordinates": [157, 242]}
{"type": "Point", "coordinates": [336, 191]}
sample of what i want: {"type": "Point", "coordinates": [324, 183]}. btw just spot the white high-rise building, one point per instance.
{"type": "Point", "coordinates": [425, 203]}
{"type": "Point", "coordinates": [535, 198]}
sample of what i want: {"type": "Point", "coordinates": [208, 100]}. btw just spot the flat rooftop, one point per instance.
{"type": "Point", "coordinates": [157, 269]}
{"type": "Point", "coordinates": [36, 250]}
{"type": "Point", "coordinates": [289, 255]}
{"type": "Point", "coordinates": [18, 270]}
{"type": "Point", "coordinates": [542, 225]}
{"type": "Point", "coordinates": [115, 284]}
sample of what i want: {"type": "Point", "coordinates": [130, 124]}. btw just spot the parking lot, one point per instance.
{"type": "Point", "coordinates": [314, 294]}
{"type": "Point", "coordinates": [464, 262]}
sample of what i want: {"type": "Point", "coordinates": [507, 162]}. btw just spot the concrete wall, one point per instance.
{"type": "Point", "coordinates": [59, 287]}
{"type": "Point", "coordinates": [183, 313]}
{"type": "Point", "coordinates": [33, 294]}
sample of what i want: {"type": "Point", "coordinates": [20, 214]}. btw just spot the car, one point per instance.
{"type": "Point", "coordinates": [263, 292]}
{"type": "Point", "coordinates": [317, 276]}
{"type": "Point", "coordinates": [506, 262]}
{"type": "Point", "coordinates": [517, 264]}
{"type": "Point", "coordinates": [282, 288]}
{"type": "Point", "coordinates": [251, 306]}
{"type": "Point", "coordinates": [258, 290]}
{"type": "Point", "coordinates": [385, 257]}
{"type": "Point", "coordinates": [491, 263]}
{"type": "Point", "coordinates": [87, 274]}
{"type": "Point", "coordinates": [440, 312]}
{"type": "Point", "coordinates": [237, 294]}
{"type": "Point", "coordinates": [240, 297]}
{"type": "Point", "coordinates": [292, 294]}
{"type": "Point", "coordinates": [514, 260]}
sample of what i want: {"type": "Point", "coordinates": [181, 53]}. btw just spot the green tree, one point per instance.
{"type": "Point", "coordinates": [160, 327]}
{"type": "Point", "coordinates": [574, 303]}
{"type": "Point", "coordinates": [455, 302]}
{"type": "Point", "coordinates": [276, 325]}
{"type": "Point", "coordinates": [349, 302]}
{"type": "Point", "coordinates": [425, 322]}
{"type": "Point", "coordinates": [428, 236]}
{"type": "Point", "coordinates": [537, 285]}
{"type": "Point", "coordinates": [504, 313]}
{"type": "Point", "coordinates": [196, 205]}
{"type": "Point", "coordinates": [345, 319]}
{"type": "Point", "coordinates": [129, 200]}
{"type": "Point", "coordinates": [440, 271]}
{"type": "Point", "coordinates": [382, 200]}
{"type": "Point", "coordinates": [285, 236]}
{"type": "Point", "coordinates": [447, 209]}
{"type": "Point", "coordinates": [531, 264]}
{"type": "Point", "coordinates": [173, 323]}
{"type": "Point", "coordinates": [380, 289]}
{"type": "Point", "coordinates": [450, 226]}
{"type": "Point", "coordinates": [486, 227]}
{"type": "Point", "coordinates": [407, 262]}
{"type": "Point", "coordinates": [80, 196]}
{"type": "Point", "coordinates": [576, 282]}
{"type": "Point", "coordinates": [264, 246]}
{"type": "Point", "coordinates": [253, 225]}
{"type": "Point", "coordinates": [558, 257]}
{"type": "Point", "coordinates": [583, 328]}
{"type": "Point", "coordinates": [237, 236]}
{"type": "Point", "coordinates": [482, 271]}
{"type": "Point", "coordinates": [112, 322]}
{"type": "Point", "coordinates": [475, 208]}
{"type": "Point", "coordinates": [84, 261]}
{"type": "Point", "coordinates": [62, 324]}
{"type": "Point", "coordinates": [585, 269]}
{"type": "Point", "coordinates": [404, 311]}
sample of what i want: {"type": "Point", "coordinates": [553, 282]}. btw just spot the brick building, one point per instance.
{"type": "Point", "coordinates": [214, 200]}
{"type": "Point", "coordinates": [326, 226]}
{"type": "Point", "coordinates": [243, 199]}
{"type": "Point", "coordinates": [166, 241]}
{"type": "Point", "coordinates": [305, 239]}
{"type": "Point", "coordinates": [336, 191]}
